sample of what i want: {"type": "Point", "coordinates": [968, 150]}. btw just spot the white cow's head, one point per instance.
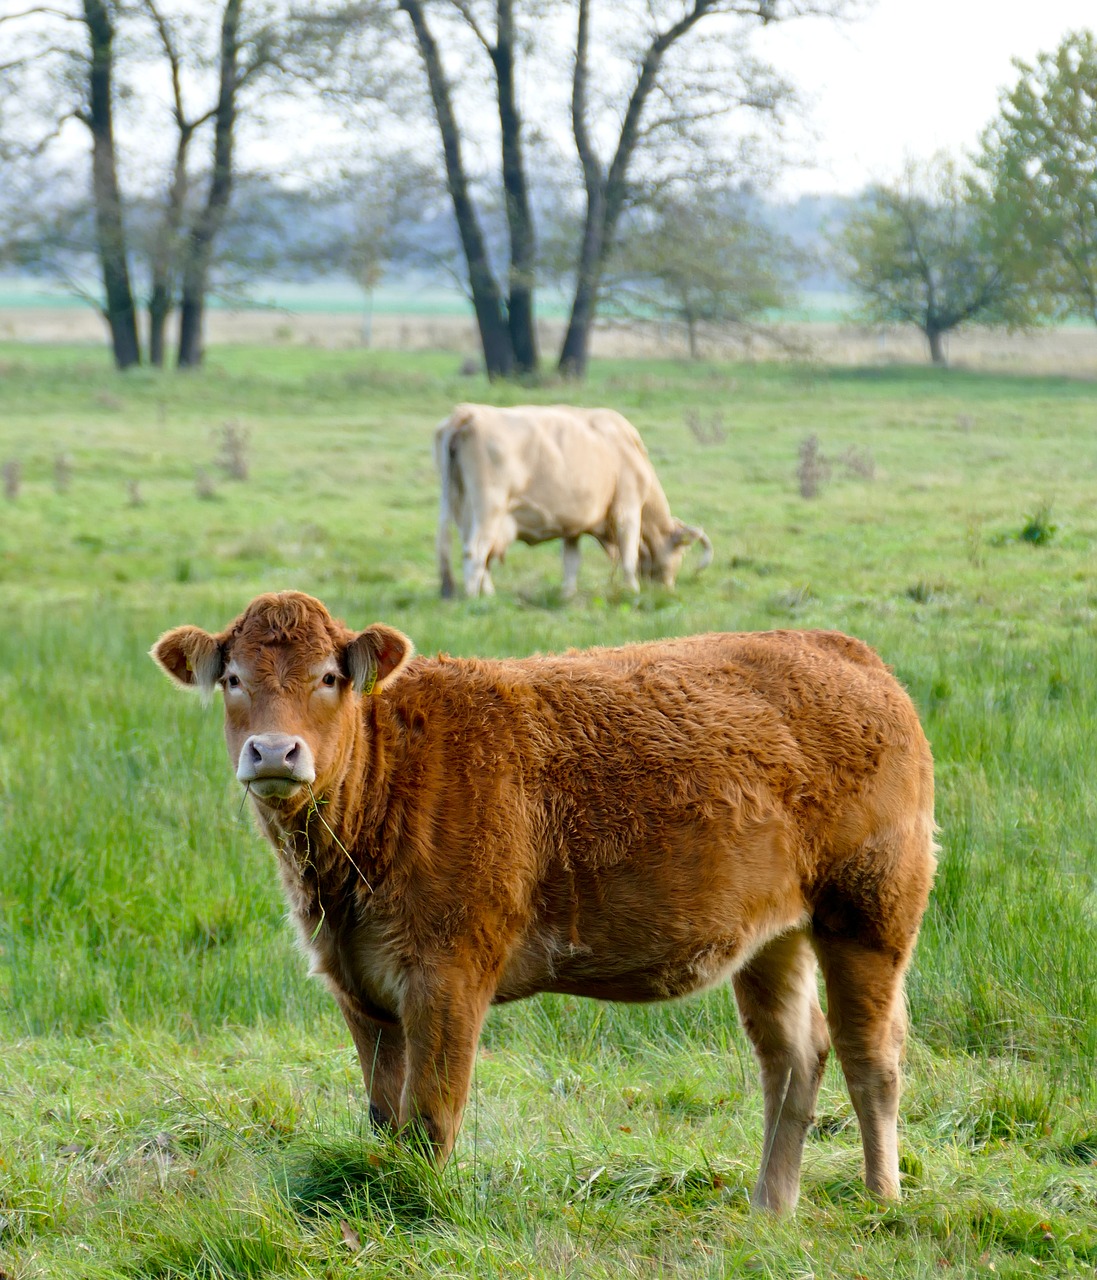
{"type": "Point", "coordinates": [661, 554]}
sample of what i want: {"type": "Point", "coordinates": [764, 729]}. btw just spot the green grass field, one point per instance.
{"type": "Point", "coordinates": [178, 1099]}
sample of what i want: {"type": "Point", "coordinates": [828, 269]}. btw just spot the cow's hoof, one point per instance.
{"type": "Point", "coordinates": [378, 1119]}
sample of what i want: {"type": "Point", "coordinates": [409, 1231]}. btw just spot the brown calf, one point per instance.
{"type": "Point", "coordinates": [629, 824]}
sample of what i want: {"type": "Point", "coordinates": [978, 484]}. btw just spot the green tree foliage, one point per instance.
{"type": "Point", "coordinates": [924, 251]}
{"type": "Point", "coordinates": [701, 262]}
{"type": "Point", "coordinates": [1039, 158]}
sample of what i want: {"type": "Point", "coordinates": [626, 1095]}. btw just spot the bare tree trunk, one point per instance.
{"type": "Point", "coordinates": [607, 191]}
{"type": "Point", "coordinates": [165, 251]}
{"type": "Point", "coordinates": [487, 299]}
{"type": "Point", "coordinates": [200, 247]}
{"type": "Point", "coordinates": [161, 294]}
{"type": "Point", "coordinates": [936, 347]}
{"type": "Point", "coordinates": [160, 305]}
{"type": "Point", "coordinates": [110, 232]}
{"type": "Point", "coordinates": [366, 331]}
{"type": "Point", "coordinates": [574, 351]}
{"type": "Point", "coordinates": [523, 246]}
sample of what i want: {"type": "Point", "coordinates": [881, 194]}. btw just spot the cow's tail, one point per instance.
{"type": "Point", "coordinates": [445, 460]}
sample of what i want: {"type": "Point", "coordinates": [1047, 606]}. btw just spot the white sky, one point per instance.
{"type": "Point", "coordinates": [909, 78]}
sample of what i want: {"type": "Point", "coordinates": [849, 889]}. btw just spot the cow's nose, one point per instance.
{"type": "Point", "coordinates": [275, 755]}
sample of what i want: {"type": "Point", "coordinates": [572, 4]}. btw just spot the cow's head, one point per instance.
{"type": "Point", "coordinates": [661, 553]}
{"type": "Point", "coordinates": [292, 677]}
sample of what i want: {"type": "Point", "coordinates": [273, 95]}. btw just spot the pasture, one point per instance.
{"type": "Point", "coordinates": [178, 1099]}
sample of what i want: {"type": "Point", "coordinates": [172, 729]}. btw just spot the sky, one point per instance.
{"type": "Point", "coordinates": [909, 78]}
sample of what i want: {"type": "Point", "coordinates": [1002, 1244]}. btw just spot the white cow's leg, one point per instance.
{"type": "Point", "coordinates": [571, 566]}
{"type": "Point", "coordinates": [486, 541]}
{"type": "Point", "coordinates": [475, 565]}
{"type": "Point", "coordinates": [477, 578]}
{"type": "Point", "coordinates": [628, 539]}
{"type": "Point", "coordinates": [779, 1005]}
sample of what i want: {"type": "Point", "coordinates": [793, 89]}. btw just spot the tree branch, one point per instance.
{"type": "Point", "coordinates": [172, 55]}
{"type": "Point", "coordinates": [465, 10]}
{"type": "Point", "coordinates": [593, 173]}
{"type": "Point", "coordinates": [630, 125]}
{"type": "Point", "coordinates": [41, 11]}
{"type": "Point", "coordinates": [487, 299]}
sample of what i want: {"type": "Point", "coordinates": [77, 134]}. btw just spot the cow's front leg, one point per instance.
{"type": "Point", "coordinates": [382, 1051]}
{"type": "Point", "coordinates": [628, 539]}
{"type": "Point", "coordinates": [442, 1016]}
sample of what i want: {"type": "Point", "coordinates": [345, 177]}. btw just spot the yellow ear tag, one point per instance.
{"type": "Point", "coordinates": [371, 680]}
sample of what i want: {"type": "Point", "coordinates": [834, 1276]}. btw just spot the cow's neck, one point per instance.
{"type": "Point", "coordinates": [656, 519]}
{"type": "Point", "coordinates": [330, 846]}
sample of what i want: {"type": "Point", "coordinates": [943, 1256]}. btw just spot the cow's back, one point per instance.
{"type": "Point", "coordinates": [555, 470]}
{"type": "Point", "coordinates": [808, 723]}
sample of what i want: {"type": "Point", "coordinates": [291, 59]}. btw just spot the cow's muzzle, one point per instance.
{"type": "Point", "coordinates": [275, 765]}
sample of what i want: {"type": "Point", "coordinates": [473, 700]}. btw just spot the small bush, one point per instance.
{"type": "Point", "coordinates": [859, 463]}
{"type": "Point", "coordinates": [706, 428]}
{"type": "Point", "coordinates": [1039, 528]}
{"type": "Point", "coordinates": [13, 478]}
{"type": "Point", "coordinates": [973, 543]}
{"type": "Point", "coordinates": [792, 601]}
{"type": "Point", "coordinates": [233, 455]}
{"type": "Point", "coordinates": [813, 470]}
{"type": "Point", "coordinates": [924, 592]}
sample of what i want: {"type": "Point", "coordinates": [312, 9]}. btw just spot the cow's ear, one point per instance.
{"type": "Point", "coordinates": [191, 656]}
{"type": "Point", "coordinates": [376, 656]}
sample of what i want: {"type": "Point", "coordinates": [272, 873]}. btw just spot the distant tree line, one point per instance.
{"type": "Point", "coordinates": [166, 93]}
{"type": "Point", "coordinates": [1012, 239]}
{"type": "Point", "coordinates": [610, 151]}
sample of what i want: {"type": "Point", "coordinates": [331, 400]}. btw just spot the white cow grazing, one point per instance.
{"type": "Point", "coordinates": [535, 473]}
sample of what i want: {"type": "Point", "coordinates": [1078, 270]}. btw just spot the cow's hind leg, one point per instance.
{"type": "Point", "coordinates": [475, 569]}
{"type": "Point", "coordinates": [779, 1004]}
{"type": "Point", "coordinates": [571, 567]}
{"type": "Point", "coordinates": [482, 543]}
{"type": "Point", "coordinates": [868, 1025]}
{"type": "Point", "coordinates": [864, 926]}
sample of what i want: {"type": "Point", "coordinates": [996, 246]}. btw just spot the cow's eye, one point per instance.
{"type": "Point", "coordinates": [232, 682]}
{"type": "Point", "coordinates": [329, 680]}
